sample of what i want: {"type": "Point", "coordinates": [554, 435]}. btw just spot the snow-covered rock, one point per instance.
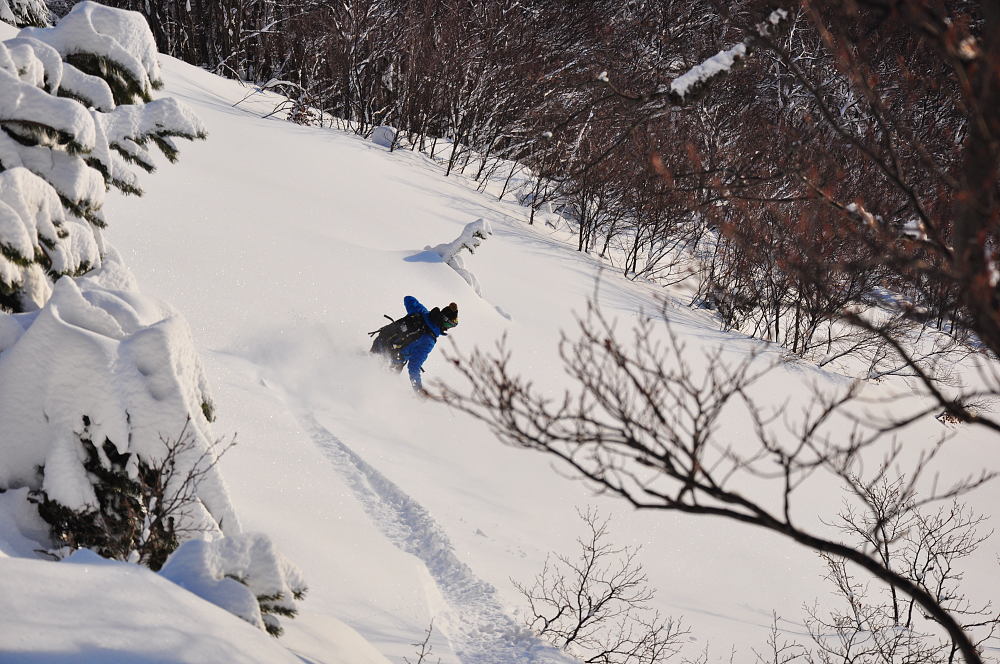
{"type": "Point", "coordinates": [384, 136]}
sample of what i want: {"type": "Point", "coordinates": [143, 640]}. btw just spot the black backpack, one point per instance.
{"type": "Point", "coordinates": [397, 335]}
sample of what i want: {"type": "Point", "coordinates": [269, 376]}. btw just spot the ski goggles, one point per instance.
{"type": "Point", "coordinates": [448, 324]}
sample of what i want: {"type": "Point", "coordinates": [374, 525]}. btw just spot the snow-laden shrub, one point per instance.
{"type": "Point", "coordinates": [105, 411]}
{"type": "Point", "coordinates": [450, 252]}
{"type": "Point", "coordinates": [24, 12]}
{"type": "Point", "coordinates": [303, 114]}
{"type": "Point", "coordinates": [145, 507]}
{"type": "Point", "coordinates": [75, 111]}
{"type": "Point", "coordinates": [243, 574]}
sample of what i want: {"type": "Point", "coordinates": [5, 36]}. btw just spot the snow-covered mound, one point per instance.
{"type": "Point", "coordinates": [233, 572]}
{"type": "Point", "coordinates": [89, 610]}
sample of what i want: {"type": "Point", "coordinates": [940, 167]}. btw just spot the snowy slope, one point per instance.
{"type": "Point", "coordinates": [283, 246]}
{"type": "Point", "coordinates": [136, 616]}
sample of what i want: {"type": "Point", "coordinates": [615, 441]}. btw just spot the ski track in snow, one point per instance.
{"type": "Point", "coordinates": [476, 625]}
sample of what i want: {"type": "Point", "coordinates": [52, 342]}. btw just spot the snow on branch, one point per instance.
{"type": "Point", "coordinates": [80, 187]}
{"type": "Point", "coordinates": [688, 86]}
{"type": "Point", "coordinates": [700, 74]}
{"type": "Point", "coordinates": [24, 12]}
{"type": "Point", "coordinates": [29, 208]}
{"type": "Point", "coordinates": [27, 109]}
{"type": "Point", "coordinates": [472, 236]}
{"type": "Point", "coordinates": [118, 38]}
{"type": "Point", "coordinates": [698, 77]}
{"type": "Point", "coordinates": [89, 90]}
{"type": "Point", "coordinates": [128, 128]}
{"type": "Point", "coordinates": [38, 63]}
{"type": "Point", "coordinates": [32, 222]}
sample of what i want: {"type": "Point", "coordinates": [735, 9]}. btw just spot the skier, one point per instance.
{"type": "Point", "coordinates": [409, 340]}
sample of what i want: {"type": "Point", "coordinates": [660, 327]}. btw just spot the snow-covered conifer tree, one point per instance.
{"type": "Point", "coordinates": [76, 109]}
{"type": "Point", "coordinates": [24, 12]}
{"type": "Point", "coordinates": [104, 408]}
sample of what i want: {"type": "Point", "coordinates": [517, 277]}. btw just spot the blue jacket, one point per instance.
{"type": "Point", "coordinates": [417, 351]}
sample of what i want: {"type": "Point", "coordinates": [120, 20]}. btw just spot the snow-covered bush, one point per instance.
{"type": "Point", "coordinates": [98, 391]}
{"type": "Point", "coordinates": [472, 236]}
{"type": "Point", "coordinates": [303, 114]}
{"type": "Point", "coordinates": [243, 574]}
{"type": "Point", "coordinates": [24, 12]}
{"type": "Point", "coordinates": [143, 513]}
{"type": "Point", "coordinates": [105, 418]}
{"type": "Point", "coordinates": [75, 110]}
